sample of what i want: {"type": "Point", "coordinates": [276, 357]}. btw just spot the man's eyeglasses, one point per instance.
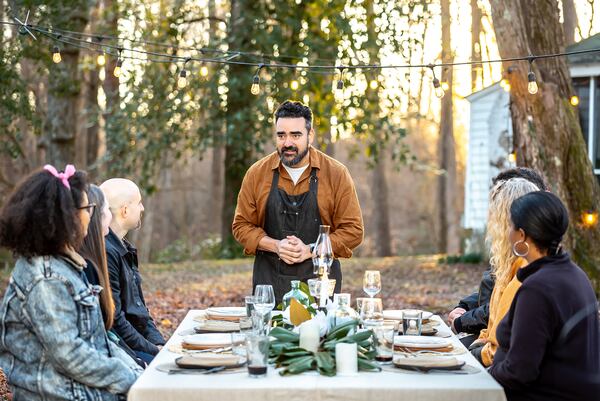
{"type": "Point", "coordinates": [90, 207]}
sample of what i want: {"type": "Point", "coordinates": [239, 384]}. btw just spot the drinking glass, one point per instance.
{"type": "Point", "coordinates": [257, 349]}
{"type": "Point", "coordinates": [323, 251]}
{"type": "Point", "coordinates": [314, 287]}
{"type": "Point", "coordinates": [372, 282]}
{"type": "Point", "coordinates": [246, 325]}
{"type": "Point", "coordinates": [384, 343]}
{"type": "Point", "coordinates": [264, 302]}
{"type": "Point", "coordinates": [249, 300]}
{"type": "Point", "coordinates": [412, 322]}
{"type": "Point", "coordinates": [359, 302]}
{"type": "Point", "coordinates": [371, 313]}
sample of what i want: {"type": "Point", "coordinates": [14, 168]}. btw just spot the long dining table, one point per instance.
{"type": "Point", "coordinates": [391, 384]}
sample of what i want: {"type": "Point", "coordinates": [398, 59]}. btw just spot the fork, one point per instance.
{"type": "Point", "coordinates": [214, 350]}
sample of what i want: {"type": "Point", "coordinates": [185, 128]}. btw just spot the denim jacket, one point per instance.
{"type": "Point", "coordinates": [53, 345]}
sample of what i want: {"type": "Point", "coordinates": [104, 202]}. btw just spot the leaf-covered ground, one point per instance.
{"type": "Point", "coordinates": [172, 289]}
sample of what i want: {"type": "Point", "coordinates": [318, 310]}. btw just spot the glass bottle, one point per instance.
{"type": "Point", "coordinates": [343, 311]}
{"type": "Point", "coordinates": [295, 293]}
{"type": "Point", "coordinates": [323, 252]}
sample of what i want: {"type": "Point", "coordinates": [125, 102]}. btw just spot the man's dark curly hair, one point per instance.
{"type": "Point", "coordinates": [529, 174]}
{"type": "Point", "coordinates": [295, 109]}
{"type": "Point", "coordinates": [41, 216]}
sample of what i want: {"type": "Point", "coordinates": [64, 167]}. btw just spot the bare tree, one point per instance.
{"type": "Point", "coordinates": [447, 193]}
{"type": "Point", "coordinates": [475, 43]}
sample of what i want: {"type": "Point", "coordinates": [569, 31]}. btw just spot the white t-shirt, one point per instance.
{"type": "Point", "coordinates": [295, 173]}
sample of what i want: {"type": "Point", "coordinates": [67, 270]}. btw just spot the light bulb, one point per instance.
{"type": "Point", "coordinates": [590, 218]}
{"type": "Point", "coordinates": [203, 71]}
{"type": "Point", "coordinates": [532, 86]}
{"type": "Point", "coordinates": [574, 100]}
{"type": "Point", "coordinates": [255, 89]}
{"type": "Point", "coordinates": [445, 86]}
{"type": "Point", "coordinates": [182, 81]}
{"type": "Point", "coordinates": [101, 60]}
{"type": "Point", "coordinates": [506, 87]}
{"type": "Point", "coordinates": [373, 84]}
{"type": "Point", "coordinates": [294, 85]}
{"type": "Point", "coordinates": [117, 70]}
{"type": "Point", "coordinates": [56, 55]}
{"type": "Point", "coordinates": [439, 91]}
{"type": "Point", "coordinates": [512, 157]}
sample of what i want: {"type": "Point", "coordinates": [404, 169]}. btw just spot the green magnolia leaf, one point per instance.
{"type": "Point", "coordinates": [341, 330]}
{"type": "Point", "coordinates": [368, 365]}
{"type": "Point", "coordinates": [284, 335]}
{"type": "Point", "coordinates": [304, 288]}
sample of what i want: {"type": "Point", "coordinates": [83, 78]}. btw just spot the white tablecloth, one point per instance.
{"type": "Point", "coordinates": [155, 385]}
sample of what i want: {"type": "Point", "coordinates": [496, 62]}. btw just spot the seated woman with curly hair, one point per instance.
{"type": "Point", "coordinates": [53, 345]}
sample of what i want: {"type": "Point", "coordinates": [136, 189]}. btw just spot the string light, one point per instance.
{"type": "Point", "coordinates": [294, 85]}
{"type": "Point", "coordinates": [437, 87]}
{"type": "Point", "coordinates": [56, 55]}
{"type": "Point", "coordinates": [79, 39]}
{"type": "Point", "coordinates": [532, 86]}
{"type": "Point", "coordinates": [373, 84]}
{"type": "Point", "coordinates": [512, 158]}
{"type": "Point", "coordinates": [204, 71]}
{"type": "Point", "coordinates": [445, 86]}
{"type": "Point", "coordinates": [117, 70]}
{"type": "Point", "coordinates": [101, 60]}
{"type": "Point", "coordinates": [182, 80]}
{"type": "Point", "coordinates": [590, 218]}
{"type": "Point", "coordinates": [574, 100]}
{"type": "Point", "coordinates": [505, 84]}
{"type": "Point", "coordinates": [255, 88]}
{"type": "Point", "coordinates": [340, 82]}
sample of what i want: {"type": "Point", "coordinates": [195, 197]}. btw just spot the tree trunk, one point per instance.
{"type": "Point", "coordinates": [111, 83]}
{"type": "Point", "coordinates": [217, 150]}
{"type": "Point", "coordinates": [91, 115]}
{"type": "Point", "coordinates": [547, 133]}
{"type": "Point", "coordinates": [64, 105]}
{"type": "Point", "coordinates": [475, 44]}
{"type": "Point", "coordinates": [383, 241]}
{"type": "Point", "coordinates": [448, 235]}
{"type": "Point", "coordinates": [239, 123]}
{"type": "Point", "coordinates": [570, 21]}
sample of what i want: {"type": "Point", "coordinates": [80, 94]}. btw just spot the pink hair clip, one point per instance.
{"type": "Point", "coordinates": [63, 177]}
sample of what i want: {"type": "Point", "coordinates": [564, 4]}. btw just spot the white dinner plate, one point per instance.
{"type": "Point", "coordinates": [427, 342]}
{"type": "Point", "coordinates": [234, 311]}
{"type": "Point", "coordinates": [396, 314]}
{"type": "Point", "coordinates": [208, 339]}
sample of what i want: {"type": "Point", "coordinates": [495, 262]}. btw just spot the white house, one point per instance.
{"type": "Point", "coordinates": [490, 131]}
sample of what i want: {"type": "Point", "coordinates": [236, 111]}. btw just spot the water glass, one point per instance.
{"type": "Point", "coordinates": [249, 301]}
{"type": "Point", "coordinates": [260, 323]}
{"type": "Point", "coordinates": [257, 350]}
{"type": "Point", "coordinates": [238, 344]}
{"type": "Point", "coordinates": [412, 322]}
{"type": "Point", "coordinates": [371, 313]}
{"type": "Point", "coordinates": [372, 282]}
{"type": "Point", "coordinates": [264, 298]}
{"type": "Point", "coordinates": [359, 302]}
{"type": "Point", "coordinates": [384, 343]}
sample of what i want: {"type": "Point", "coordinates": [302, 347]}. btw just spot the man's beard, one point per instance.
{"type": "Point", "coordinates": [295, 160]}
{"type": "Point", "coordinates": [139, 223]}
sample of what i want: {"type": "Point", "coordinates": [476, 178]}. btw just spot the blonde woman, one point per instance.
{"type": "Point", "coordinates": [503, 262]}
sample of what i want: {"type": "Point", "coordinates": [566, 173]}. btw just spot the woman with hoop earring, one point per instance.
{"type": "Point", "coordinates": [549, 342]}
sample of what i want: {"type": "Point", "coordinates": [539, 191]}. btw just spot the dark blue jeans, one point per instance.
{"type": "Point", "coordinates": [144, 356]}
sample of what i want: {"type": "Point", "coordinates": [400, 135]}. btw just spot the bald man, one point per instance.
{"type": "Point", "coordinates": [132, 322]}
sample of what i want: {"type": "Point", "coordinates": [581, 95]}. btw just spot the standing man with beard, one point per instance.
{"type": "Point", "coordinates": [284, 198]}
{"type": "Point", "coordinates": [132, 321]}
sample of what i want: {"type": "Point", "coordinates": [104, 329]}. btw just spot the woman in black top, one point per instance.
{"type": "Point", "coordinates": [94, 252]}
{"type": "Point", "coordinates": [549, 342]}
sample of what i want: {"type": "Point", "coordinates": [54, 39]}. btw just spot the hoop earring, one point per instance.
{"type": "Point", "coordinates": [514, 249]}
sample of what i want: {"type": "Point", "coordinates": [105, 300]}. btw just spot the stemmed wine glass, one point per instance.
{"type": "Point", "coordinates": [372, 282]}
{"type": "Point", "coordinates": [264, 301]}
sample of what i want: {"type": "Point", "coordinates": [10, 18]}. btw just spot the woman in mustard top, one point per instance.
{"type": "Point", "coordinates": [504, 263]}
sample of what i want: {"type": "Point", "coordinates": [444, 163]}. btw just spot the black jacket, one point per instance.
{"type": "Point", "coordinates": [477, 306]}
{"type": "Point", "coordinates": [132, 318]}
{"type": "Point", "coordinates": [549, 341]}
{"type": "Point", "coordinates": [92, 277]}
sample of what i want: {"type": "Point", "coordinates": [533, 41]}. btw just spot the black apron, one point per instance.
{"type": "Point", "coordinates": [290, 215]}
